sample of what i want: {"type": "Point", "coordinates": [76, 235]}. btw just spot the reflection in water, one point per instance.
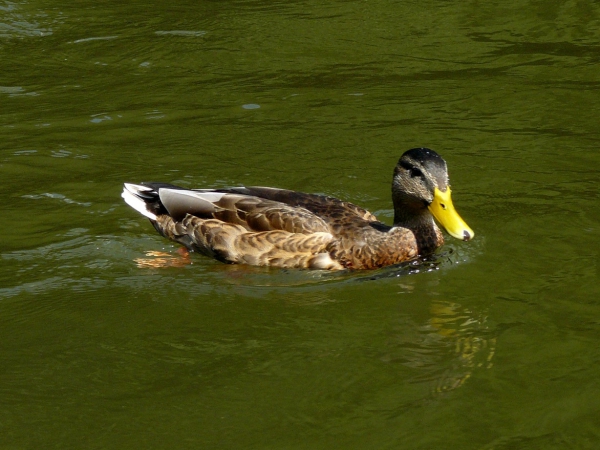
{"type": "Point", "coordinates": [160, 260]}
{"type": "Point", "coordinates": [446, 349]}
{"type": "Point", "coordinates": [254, 276]}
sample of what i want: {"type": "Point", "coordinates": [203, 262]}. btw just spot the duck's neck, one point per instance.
{"type": "Point", "coordinates": [421, 223]}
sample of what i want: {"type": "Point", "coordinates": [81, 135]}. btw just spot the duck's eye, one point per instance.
{"type": "Point", "coordinates": [415, 172]}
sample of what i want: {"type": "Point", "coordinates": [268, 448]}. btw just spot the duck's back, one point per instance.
{"type": "Point", "coordinates": [330, 209]}
{"type": "Point", "coordinates": [276, 227]}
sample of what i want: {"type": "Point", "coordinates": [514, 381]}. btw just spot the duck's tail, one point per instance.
{"type": "Point", "coordinates": [141, 198]}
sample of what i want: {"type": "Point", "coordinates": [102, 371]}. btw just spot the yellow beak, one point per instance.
{"type": "Point", "coordinates": [443, 210]}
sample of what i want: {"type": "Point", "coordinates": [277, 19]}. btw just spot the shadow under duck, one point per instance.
{"type": "Point", "coordinates": [282, 228]}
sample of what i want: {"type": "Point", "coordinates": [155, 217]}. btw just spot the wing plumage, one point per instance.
{"type": "Point", "coordinates": [266, 226]}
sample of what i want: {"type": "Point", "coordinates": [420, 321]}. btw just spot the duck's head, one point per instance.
{"type": "Point", "coordinates": [420, 187]}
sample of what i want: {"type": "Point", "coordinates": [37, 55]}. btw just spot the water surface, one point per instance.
{"type": "Point", "coordinates": [495, 346]}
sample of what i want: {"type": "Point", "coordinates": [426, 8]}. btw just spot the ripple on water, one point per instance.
{"type": "Point", "coordinates": [185, 33]}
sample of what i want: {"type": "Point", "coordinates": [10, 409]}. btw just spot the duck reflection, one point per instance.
{"type": "Point", "coordinates": [162, 260]}
{"type": "Point", "coordinates": [446, 349]}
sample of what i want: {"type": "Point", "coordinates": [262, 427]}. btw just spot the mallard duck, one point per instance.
{"type": "Point", "coordinates": [281, 228]}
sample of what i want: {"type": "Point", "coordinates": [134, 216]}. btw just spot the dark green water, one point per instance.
{"type": "Point", "coordinates": [495, 348]}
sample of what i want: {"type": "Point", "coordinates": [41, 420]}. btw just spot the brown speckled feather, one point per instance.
{"type": "Point", "coordinates": [233, 243]}
{"type": "Point", "coordinates": [329, 209]}
{"type": "Point", "coordinates": [259, 214]}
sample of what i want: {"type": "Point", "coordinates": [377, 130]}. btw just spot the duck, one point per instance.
{"type": "Point", "coordinates": [267, 226]}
